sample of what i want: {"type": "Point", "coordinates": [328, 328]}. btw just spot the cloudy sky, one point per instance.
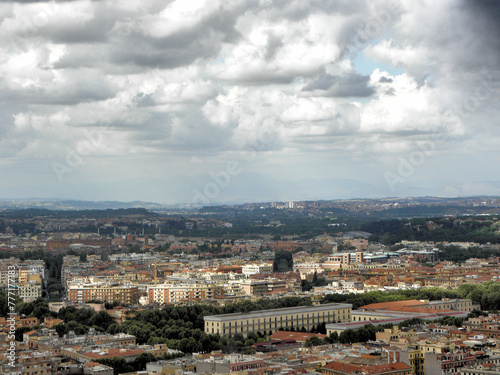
{"type": "Point", "coordinates": [243, 100]}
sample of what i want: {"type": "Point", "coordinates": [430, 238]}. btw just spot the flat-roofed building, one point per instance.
{"type": "Point", "coordinates": [451, 304]}
{"type": "Point", "coordinates": [5, 323]}
{"type": "Point", "coordinates": [29, 292]}
{"type": "Point", "coordinates": [173, 293]}
{"type": "Point", "coordinates": [275, 319]}
{"type": "Point", "coordinates": [124, 294]}
{"type": "Point", "coordinates": [254, 269]}
{"type": "Point", "coordinates": [253, 287]}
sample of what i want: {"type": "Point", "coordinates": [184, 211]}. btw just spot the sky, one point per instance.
{"type": "Point", "coordinates": [217, 101]}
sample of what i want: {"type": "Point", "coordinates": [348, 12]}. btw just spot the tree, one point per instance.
{"type": "Point", "coordinates": [334, 337]}
{"type": "Point", "coordinates": [248, 351]}
{"type": "Point", "coordinates": [21, 331]}
{"type": "Point", "coordinates": [118, 364]}
{"type": "Point", "coordinates": [140, 362]}
{"type": "Point", "coordinates": [83, 315]}
{"type": "Point", "coordinates": [60, 329]}
{"type": "Point", "coordinates": [313, 341]}
{"type": "Point", "coordinates": [102, 319]}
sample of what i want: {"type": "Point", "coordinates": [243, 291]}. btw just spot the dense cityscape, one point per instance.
{"type": "Point", "coordinates": [335, 287]}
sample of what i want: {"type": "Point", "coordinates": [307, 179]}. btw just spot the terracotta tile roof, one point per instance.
{"type": "Point", "coordinates": [297, 336]}
{"type": "Point", "coordinates": [342, 367]}
{"type": "Point", "coordinates": [391, 305]}
{"type": "Point", "coordinates": [380, 369]}
{"type": "Point", "coordinates": [427, 310]}
{"type": "Point", "coordinates": [114, 353]}
{"type": "Point", "coordinates": [373, 369]}
{"type": "Point", "coordinates": [489, 365]}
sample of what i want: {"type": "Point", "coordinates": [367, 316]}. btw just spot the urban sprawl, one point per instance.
{"type": "Point", "coordinates": [346, 287]}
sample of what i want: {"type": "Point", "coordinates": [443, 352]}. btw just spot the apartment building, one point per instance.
{"type": "Point", "coordinates": [48, 341]}
{"type": "Point", "coordinates": [342, 260]}
{"type": "Point", "coordinates": [254, 287]}
{"type": "Point", "coordinates": [8, 275]}
{"type": "Point", "coordinates": [174, 293]}
{"type": "Point", "coordinates": [447, 362]}
{"type": "Point", "coordinates": [274, 319]}
{"type": "Point", "coordinates": [35, 363]}
{"type": "Point", "coordinates": [19, 322]}
{"type": "Point", "coordinates": [284, 245]}
{"type": "Point", "coordinates": [124, 294]}
{"type": "Point", "coordinates": [253, 269]}
{"type": "Point", "coordinates": [482, 369]}
{"type": "Point", "coordinates": [451, 304]}
{"type": "Point", "coordinates": [439, 358]}
{"type": "Point", "coordinates": [29, 292]}
{"type": "Point", "coordinates": [360, 244]}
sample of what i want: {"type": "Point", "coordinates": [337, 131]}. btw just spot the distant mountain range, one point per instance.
{"type": "Point", "coordinates": [60, 204]}
{"type": "Point", "coordinates": [195, 191]}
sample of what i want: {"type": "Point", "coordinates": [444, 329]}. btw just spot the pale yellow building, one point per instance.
{"type": "Point", "coordinates": [29, 292]}
{"type": "Point", "coordinates": [264, 321]}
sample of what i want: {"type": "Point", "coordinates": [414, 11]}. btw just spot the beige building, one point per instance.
{"type": "Point", "coordinates": [342, 260]}
{"type": "Point", "coordinates": [172, 293]}
{"type": "Point", "coordinates": [271, 320]}
{"type": "Point", "coordinates": [106, 293]}
{"type": "Point", "coordinates": [29, 292]}
{"type": "Point", "coordinates": [253, 269]}
{"type": "Point", "coordinates": [254, 287]}
{"type": "Point", "coordinates": [451, 304]}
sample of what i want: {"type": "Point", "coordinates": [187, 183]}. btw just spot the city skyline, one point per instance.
{"type": "Point", "coordinates": [213, 102]}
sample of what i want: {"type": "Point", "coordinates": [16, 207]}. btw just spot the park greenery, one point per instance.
{"type": "Point", "coordinates": [182, 327]}
{"type": "Point", "coordinates": [387, 226]}
{"type": "Point", "coordinates": [437, 229]}
{"type": "Point", "coordinates": [120, 365]}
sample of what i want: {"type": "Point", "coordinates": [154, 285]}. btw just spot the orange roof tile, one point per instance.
{"type": "Point", "coordinates": [373, 369]}
{"type": "Point", "coordinates": [114, 353]}
{"type": "Point", "coordinates": [391, 305]}
{"type": "Point", "coordinates": [297, 336]}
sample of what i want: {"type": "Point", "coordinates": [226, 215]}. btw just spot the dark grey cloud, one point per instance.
{"type": "Point", "coordinates": [95, 30]}
{"type": "Point", "coordinates": [82, 87]}
{"type": "Point", "coordinates": [297, 10]}
{"type": "Point", "coordinates": [144, 100]}
{"type": "Point", "coordinates": [167, 53]}
{"type": "Point", "coordinates": [485, 24]}
{"type": "Point", "coordinates": [274, 43]}
{"type": "Point", "coordinates": [202, 41]}
{"type": "Point", "coordinates": [350, 85]}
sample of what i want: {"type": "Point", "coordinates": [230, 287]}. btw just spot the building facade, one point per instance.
{"type": "Point", "coordinates": [29, 292]}
{"type": "Point", "coordinates": [253, 269]}
{"type": "Point", "coordinates": [306, 317]}
{"type": "Point", "coordinates": [121, 293]}
{"type": "Point", "coordinates": [175, 293]}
